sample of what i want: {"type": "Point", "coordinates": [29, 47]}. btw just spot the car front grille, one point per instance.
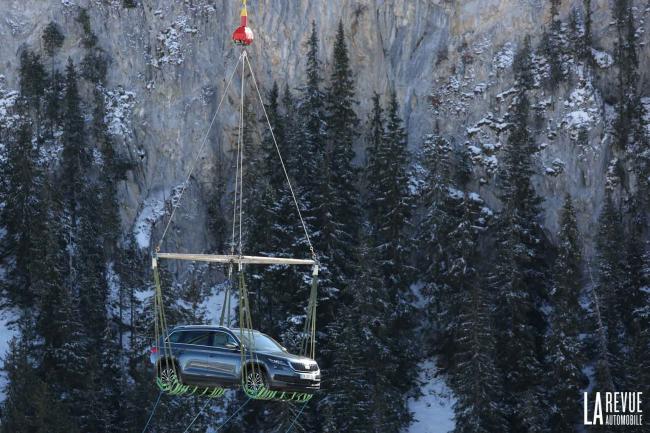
{"type": "Point", "coordinates": [299, 366]}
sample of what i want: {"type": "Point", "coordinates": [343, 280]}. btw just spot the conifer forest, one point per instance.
{"type": "Point", "coordinates": [472, 175]}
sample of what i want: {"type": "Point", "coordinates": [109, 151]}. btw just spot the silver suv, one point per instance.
{"type": "Point", "coordinates": [206, 355]}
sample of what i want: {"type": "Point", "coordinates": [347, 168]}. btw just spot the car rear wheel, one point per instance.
{"type": "Point", "coordinates": [255, 380]}
{"type": "Point", "coordinates": [167, 374]}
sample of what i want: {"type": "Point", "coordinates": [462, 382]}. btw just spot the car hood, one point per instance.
{"type": "Point", "coordinates": [286, 355]}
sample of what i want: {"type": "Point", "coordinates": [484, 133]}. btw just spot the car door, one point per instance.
{"type": "Point", "coordinates": [225, 356]}
{"type": "Point", "coordinates": [193, 353]}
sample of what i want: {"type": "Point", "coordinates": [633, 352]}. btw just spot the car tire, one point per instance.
{"type": "Point", "coordinates": [255, 379]}
{"type": "Point", "coordinates": [168, 372]}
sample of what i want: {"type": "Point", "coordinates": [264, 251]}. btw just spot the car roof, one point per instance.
{"type": "Point", "coordinates": [235, 331]}
{"type": "Point", "coordinates": [190, 327]}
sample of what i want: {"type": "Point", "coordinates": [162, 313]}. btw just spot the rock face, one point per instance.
{"type": "Point", "coordinates": [448, 60]}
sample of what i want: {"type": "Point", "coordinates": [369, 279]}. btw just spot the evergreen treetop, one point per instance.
{"type": "Point", "coordinates": [52, 38]}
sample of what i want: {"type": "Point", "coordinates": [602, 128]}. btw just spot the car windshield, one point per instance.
{"type": "Point", "coordinates": [262, 342]}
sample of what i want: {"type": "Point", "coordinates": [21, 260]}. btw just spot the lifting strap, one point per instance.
{"type": "Point", "coordinates": [309, 333]}
{"type": "Point", "coordinates": [170, 383]}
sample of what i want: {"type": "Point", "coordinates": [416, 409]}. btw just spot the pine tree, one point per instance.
{"type": "Point", "coordinates": [637, 366]}
{"type": "Point", "coordinates": [316, 192]}
{"type": "Point", "coordinates": [374, 166]}
{"type": "Point", "coordinates": [576, 36]}
{"type": "Point", "coordinates": [608, 292]}
{"type": "Point", "coordinates": [439, 209]}
{"type": "Point", "coordinates": [519, 277]}
{"type": "Point", "coordinates": [312, 118]}
{"type": "Point", "coordinates": [362, 336]}
{"type": "Point", "coordinates": [565, 350]}
{"type": "Point", "coordinates": [75, 156]}
{"type": "Point", "coordinates": [33, 79]}
{"type": "Point", "coordinates": [389, 202]}
{"type": "Point", "coordinates": [522, 66]}
{"type": "Point", "coordinates": [58, 321]}
{"type": "Point", "coordinates": [635, 312]}
{"type": "Point", "coordinates": [626, 57]}
{"type": "Point", "coordinates": [473, 373]}
{"type": "Point", "coordinates": [21, 214]}
{"type": "Point", "coordinates": [587, 37]}
{"type": "Point", "coordinates": [53, 103]}
{"type": "Point", "coordinates": [342, 123]}
{"type": "Point", "coordinates": [53, 39]}
{"type": "Point", "coordinates": [89, 38]}
{"type": "Point", "coordinates": [90, 264]}
{"type": "Point", "coordinates": [554, 44]}
{"type": "Point", "coordinates": [29, 405]}
{"type": "Point", "coordinates": [113, 169]}
{"type": "Point", "coordinates": [474, 376]}
{"type": "Point", "coordinates": [376, 135]}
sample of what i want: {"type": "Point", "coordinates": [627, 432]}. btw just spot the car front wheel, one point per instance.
{"type": "Point", "coordinates": [255, 380]}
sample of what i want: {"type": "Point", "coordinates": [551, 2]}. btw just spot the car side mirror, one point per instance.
{"type": "Point", "coordinates": [232, 346]}
{"type": "Point", "coordinates": [284, 349]}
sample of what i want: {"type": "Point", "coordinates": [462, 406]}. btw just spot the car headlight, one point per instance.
{"type": "Point", "coordinates": [278, 362]}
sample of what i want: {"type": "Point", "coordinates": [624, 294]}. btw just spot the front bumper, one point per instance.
{"type": "Point", "coordinates": [287, 379]}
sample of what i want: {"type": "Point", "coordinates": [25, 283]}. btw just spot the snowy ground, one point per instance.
{"type": "Point", "coordinates": [433, 411]}
{"type": "Point", "coordinates": [7, 332]}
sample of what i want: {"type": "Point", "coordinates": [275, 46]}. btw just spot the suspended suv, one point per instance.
{"type": "Point", "coordinates": [213, 356]}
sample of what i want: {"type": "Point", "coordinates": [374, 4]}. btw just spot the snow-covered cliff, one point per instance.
{"type": "Point", "coordinates": [169, 61]}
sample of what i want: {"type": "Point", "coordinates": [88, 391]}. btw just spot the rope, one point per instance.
{"type": "Point", "coordinates": [231, 416]}
{"type": "Point", "coordinates": [197, 416]}
{"type": "Point", "coordinates": [198, 156]}
{"type": "Point", "coordinates": [241, 153]}
{"type": "Point", "coordinates": [239, 169]}
{"type": "Point", "coordinates": [296, 417]}
{"type": "Point", "coordinates": [152, 412]}
{"type": "Point", "coordinates": [284, 168]}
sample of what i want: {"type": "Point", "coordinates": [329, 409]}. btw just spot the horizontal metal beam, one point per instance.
{"type": "Point", "coordinates": [216, 258]}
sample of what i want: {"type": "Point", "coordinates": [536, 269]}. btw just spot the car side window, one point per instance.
{"type": "Point", "coordinates": [220, 339]}
{"type": "Point", "coordinates": [176, 337]}
{"type": "Point", "coordinates": [201, 338]}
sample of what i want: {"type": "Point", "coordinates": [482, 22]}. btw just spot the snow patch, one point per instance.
{"type": "Point", "coordinates": [484, 156]}
{"type": "Point", "coordinates": [645, 102]}
{"type": "Point", "coordinates": [582, 110]}
{"type": "Point", "coordinates": [602, 59]}
{"type": "Point", "coordinates": [8, 100]}
{"type": "Point", "coordinates": [455, 193]}
{"type": "Point", "coordinates": [152, 210]}
{"type": "Point", "coordinates": [420, 298]}
{"type": "Point", "coordinates": [214, 303]}
{"type": "Point", "coordinates": [480, 88]}
{"type": "Point", "coordinates": [433, 411]}
{"type": "Point", "coordinates": [576, 121]}
{"type": "Point", "coordinates": [504, 58]}
{"type": "Point", "coordinates": [556, 167]}
{"type": "Point", "coordinates": [16, 27]}
{"type": "Point", "coordinates": [170, 49]}
{"type": "Point", "coordinates": [119, 109]}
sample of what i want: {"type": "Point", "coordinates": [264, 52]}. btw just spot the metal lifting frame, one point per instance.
{"type": "Point", "coordinates": [235, 259]}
